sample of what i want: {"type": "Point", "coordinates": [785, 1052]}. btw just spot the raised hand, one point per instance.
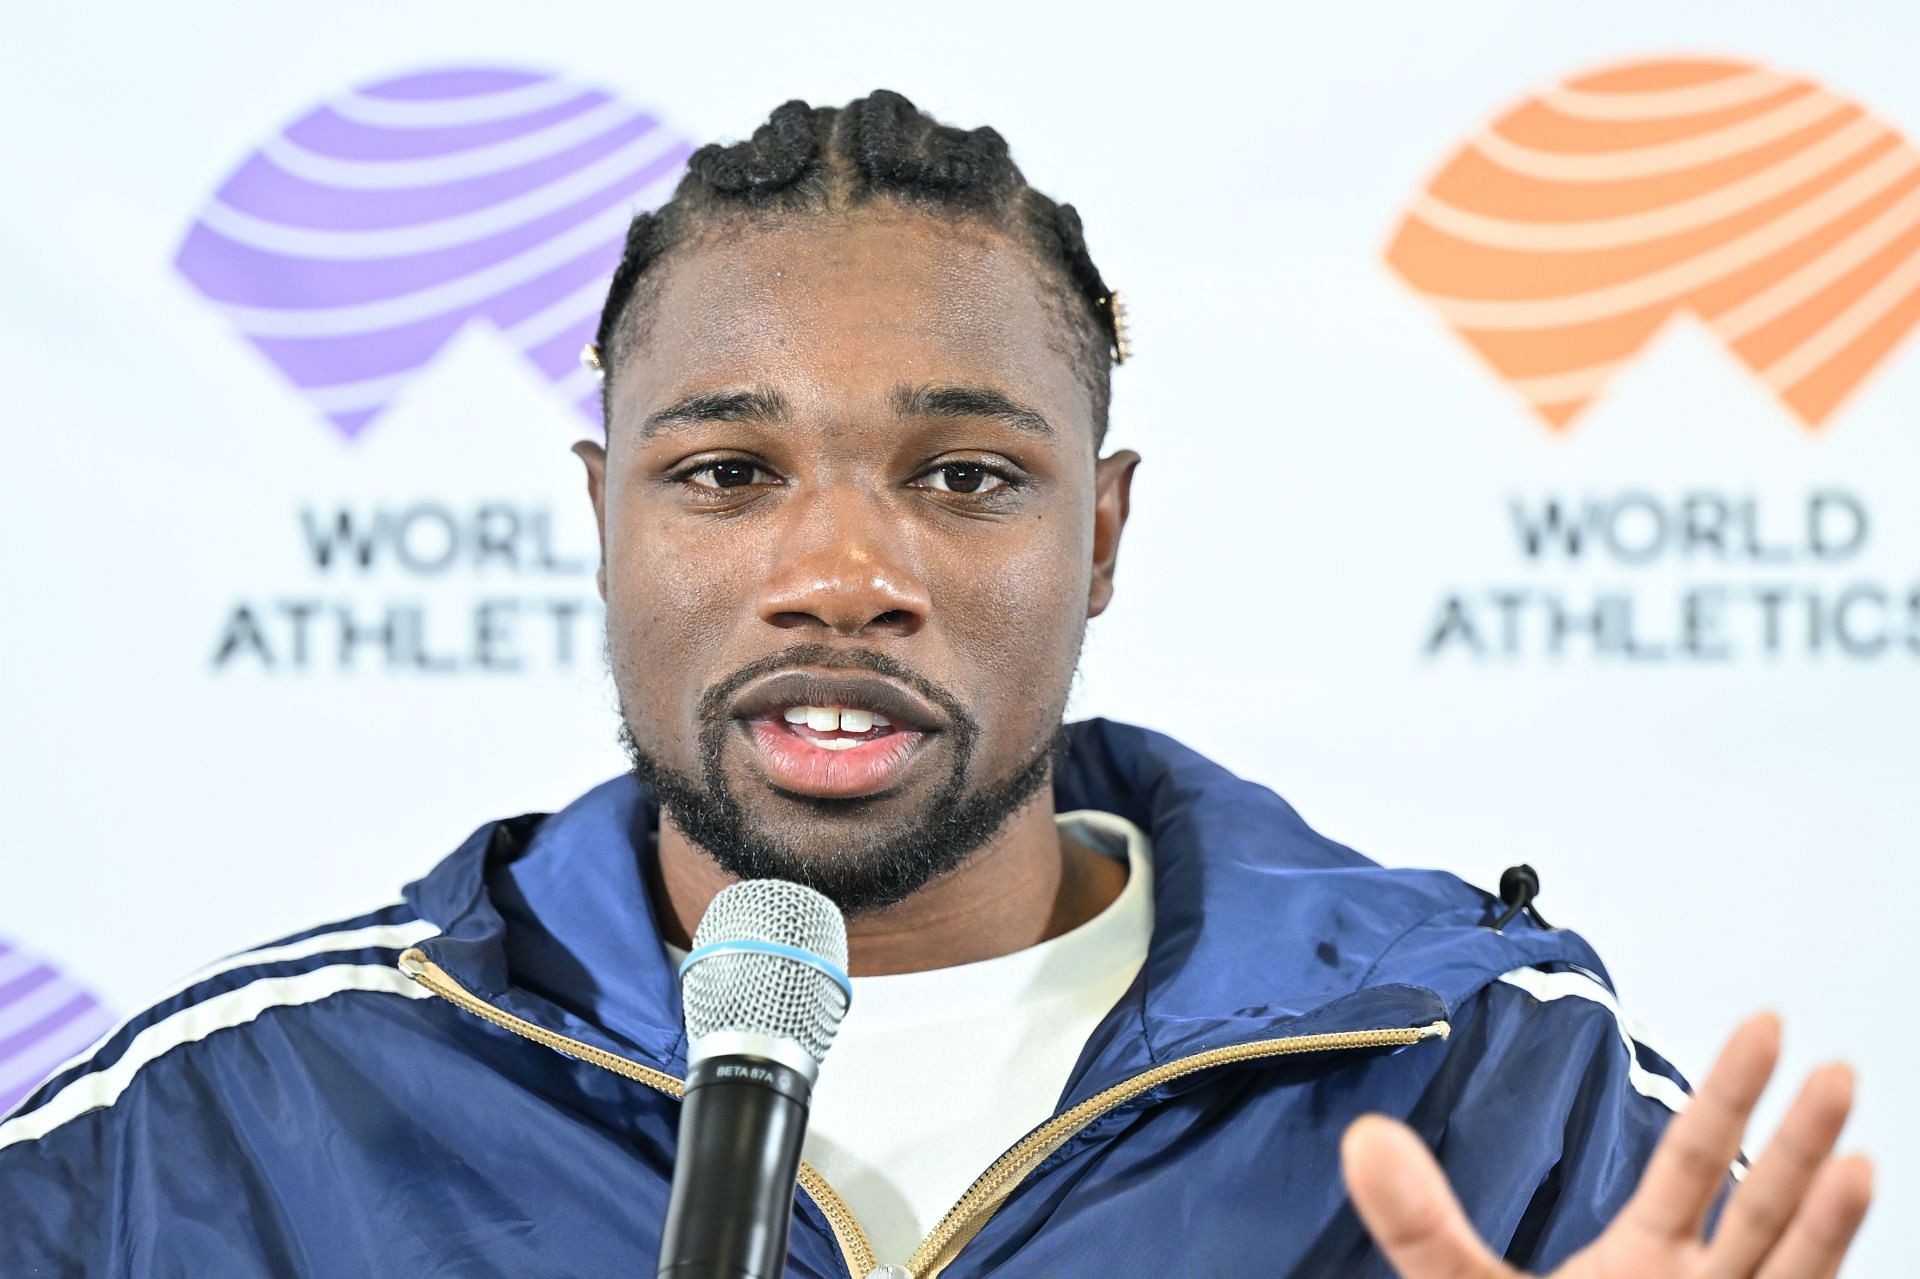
{"type": "Point", "coordinates": [1792, 1218]}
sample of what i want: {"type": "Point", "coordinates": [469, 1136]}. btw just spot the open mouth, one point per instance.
{"type": "Point", "coordinates": [834, 736]}
{"type": "Point", "coordinates": [837, 728]}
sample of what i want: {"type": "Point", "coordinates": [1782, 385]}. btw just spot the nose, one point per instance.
{"type": "Point", "coordinates": [844, 568]}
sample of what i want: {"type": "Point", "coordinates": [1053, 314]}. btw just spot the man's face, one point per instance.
{"type": "Point", "coordinates": [852, 529]}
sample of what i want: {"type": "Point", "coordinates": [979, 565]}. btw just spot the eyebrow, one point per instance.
{"type": "Point", "coordinates": [968, 401]}
{"type": "Point", "coordinates": [716, 406]}
{"type": "Point", "coordinates": [767, 406]}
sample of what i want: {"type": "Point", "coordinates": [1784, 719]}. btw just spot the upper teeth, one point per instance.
{"type": "Point", "coordinates": [825, 719]}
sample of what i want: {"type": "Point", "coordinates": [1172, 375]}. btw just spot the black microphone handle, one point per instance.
{"type": "Point", "coordinates": [734, 1172]}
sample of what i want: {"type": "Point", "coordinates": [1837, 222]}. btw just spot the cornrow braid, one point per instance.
{"type": "Point", "coordinates": [807, 159]}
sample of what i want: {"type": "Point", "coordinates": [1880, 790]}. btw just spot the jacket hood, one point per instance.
{"type": "Point", "coordinates": [1262, 927]}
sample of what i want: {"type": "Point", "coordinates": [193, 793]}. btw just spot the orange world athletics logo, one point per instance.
{"type": "Point", "coordinates": [1785, 217]}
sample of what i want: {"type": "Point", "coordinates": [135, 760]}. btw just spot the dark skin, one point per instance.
{"type": "Point", "coordinates": [850, 535]}
{"type": "Point", "coordinates": [845, 531]}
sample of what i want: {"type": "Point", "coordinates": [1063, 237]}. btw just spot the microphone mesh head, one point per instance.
{"type": "Point", "coordinates": [768, 994]}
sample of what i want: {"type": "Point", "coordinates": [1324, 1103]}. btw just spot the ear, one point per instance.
{"type": "Point", "coordinates": [1112, 494]}
{"type": "Point", "coordinates": [595, 458]}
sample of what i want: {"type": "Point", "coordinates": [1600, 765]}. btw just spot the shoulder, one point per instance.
{"type": "Point", "coordinates": [1554, 1037]}
{"type": "Point", "coordinates": [348, 960]}
{"type": "Point", "coordinates": [1541, 993]}
{"type": "Point", "coordinates": [1567, 995]}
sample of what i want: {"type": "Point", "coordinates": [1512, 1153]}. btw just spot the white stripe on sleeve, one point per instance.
{"type": "Point", "coordinates": [189, 1025]}
{"type": "Point", "coordinates": [1546, 986]}
{"type": "Point", "coordinates": [392, 936]}
{"type": "Point", "coordinates": [395, 936]}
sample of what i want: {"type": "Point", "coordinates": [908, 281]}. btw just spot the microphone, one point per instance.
{"type": "Point", "coordinates": [763, 990]}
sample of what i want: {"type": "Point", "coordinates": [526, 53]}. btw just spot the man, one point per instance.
{"type": "Point", "coordinates": [1117, 1012]}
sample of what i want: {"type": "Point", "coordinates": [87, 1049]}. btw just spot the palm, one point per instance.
{"type": "Point", "coordinates": [1791, 1218]}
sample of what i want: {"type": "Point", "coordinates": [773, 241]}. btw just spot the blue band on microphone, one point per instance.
{"type": "Point", "coordinates": [748, 946]}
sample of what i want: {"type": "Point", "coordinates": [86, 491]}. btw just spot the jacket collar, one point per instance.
{"type": "Point", "coordinates": [1263, 928]}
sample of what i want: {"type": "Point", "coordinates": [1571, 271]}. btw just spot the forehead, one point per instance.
{"type": "Point", "coordinates": [832, 307]}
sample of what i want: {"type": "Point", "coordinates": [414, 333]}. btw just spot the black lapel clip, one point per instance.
{"type": "Point", "coordinates": [1519, 885]}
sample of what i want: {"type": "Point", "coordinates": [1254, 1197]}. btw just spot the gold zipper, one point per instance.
{"type": "Point", "coordinates": [990, 1190]}
{"type": "Point", "coordinates": [968, 1217]}
{"type": "Point", "coordinates": [855, 1250]}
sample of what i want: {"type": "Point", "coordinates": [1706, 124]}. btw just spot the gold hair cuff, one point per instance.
{"type": "Point", "coordinates": [590, 358]}
{"type": "Point", "coordinates": [1122, 340]}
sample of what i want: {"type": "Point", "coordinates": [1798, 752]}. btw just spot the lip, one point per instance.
{"type": "Point", "coordinates": [772, 694]}
{"type": "Point", "coordinates": [794, 765]}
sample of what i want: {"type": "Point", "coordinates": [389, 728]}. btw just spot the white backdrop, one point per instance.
{"type": "Point", "coordinates": [1327, 465]}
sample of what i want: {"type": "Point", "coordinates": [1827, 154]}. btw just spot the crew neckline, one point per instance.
{"type": "Point", "coordinates": [1057, 968]}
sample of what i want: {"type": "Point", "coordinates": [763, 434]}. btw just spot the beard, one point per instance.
{"type": "Point", "coordinates": [861, 873]}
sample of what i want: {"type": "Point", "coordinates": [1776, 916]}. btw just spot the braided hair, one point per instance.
{"type": "Point", "coordinates": [808, 159]}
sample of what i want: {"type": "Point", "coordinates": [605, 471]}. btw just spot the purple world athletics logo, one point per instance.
{"type": "Point", "coordinates": [355, 242]}
{"type": "Point", "coordinates": [44, 1020]}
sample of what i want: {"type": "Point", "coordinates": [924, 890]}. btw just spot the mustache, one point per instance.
{"type": "Point", "coordinates": [714, 702]}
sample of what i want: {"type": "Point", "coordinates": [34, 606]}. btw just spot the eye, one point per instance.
{"type": "Point", "coordinates": [963, 477]}
{"type": "Point", "coordinates": [731, 473]}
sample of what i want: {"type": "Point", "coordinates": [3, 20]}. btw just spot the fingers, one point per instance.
{"type": "Point", "coordinates": [1404, 1201]}
{"type": "Point", "coordinates": [1825, 1224]}
{"type": "Point", "coordinates": [1767, 1200]}
{"type": "Point", "coordinates": [1690, 1163]}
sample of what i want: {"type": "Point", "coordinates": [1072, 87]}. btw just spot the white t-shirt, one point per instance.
{"type": "Point", "coordinates": [935, 1074]}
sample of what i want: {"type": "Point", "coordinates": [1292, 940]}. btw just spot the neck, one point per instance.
{"type": "Point", "coordinates": [1022, 887]}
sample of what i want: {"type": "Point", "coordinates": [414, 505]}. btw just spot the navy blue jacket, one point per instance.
{"type": "Point", "coordinates": [482, 1080]}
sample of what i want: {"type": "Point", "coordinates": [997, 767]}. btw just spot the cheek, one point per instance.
{"type": "Point", "coordinates": [671, 594]}
{"type": "Point", "coordinates": [1017, 612]}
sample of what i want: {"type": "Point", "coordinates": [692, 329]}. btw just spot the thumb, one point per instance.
{"type": "Point", "coordinates": [1404, 1201]}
